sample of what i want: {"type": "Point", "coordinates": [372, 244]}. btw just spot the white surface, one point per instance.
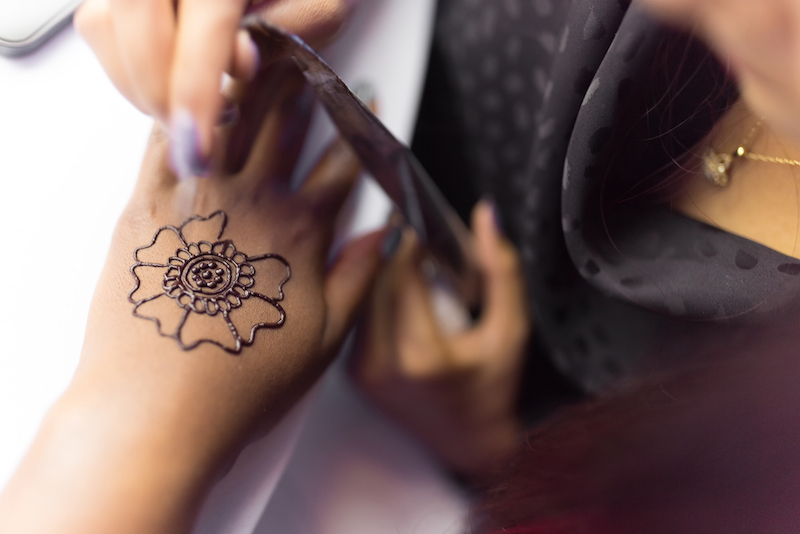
{"type": "Point", "coordinates": [354, 472]}
{"type": "Point", "coordinates": [70, 149]}
{"type": "Point", "coordinates": [237, 502]}
{"type": "Point", "coordinates": [21, 19]}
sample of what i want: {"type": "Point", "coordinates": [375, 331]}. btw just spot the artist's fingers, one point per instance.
{"type": "Point", "coordinates": [277, 107]}
{"type": "Point", "coordinates": [504, 322]}
{"type": "Point", "coordinates": [93, 22]}
{"type": "Point", "coordinates": [315, 21]}
{"type": "Point", "coordinates": [349, 280]}
{"type": "Point", "coordinates": [145, 32]}
{"type": "Point", "coordinates": [246, 57]}
{"type": "Point", "coordinates": [418, 348]}
{"type": "Point", "coordinates": [204, 48]}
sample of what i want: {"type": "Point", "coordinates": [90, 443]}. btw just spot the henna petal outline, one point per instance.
{"type": "Point", "coordinates": [216, 330]}
{"type": "Point", "coordinates": [173, 304]}
{"type": "Point", "coordinates": [148, 282]}
{"type": "Point", "coordinates": [167, 238]}
{"type": "Point", "coordinates": [263, 294]}
{"type": "Point", "coordinates": [263, 308]}
{"type": "Point", "coordinates": [162, 310]}
{"type": "Point", "coordinates": [209, 228]}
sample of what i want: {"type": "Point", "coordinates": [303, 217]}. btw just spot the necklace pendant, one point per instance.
{"type": "Point", "coordinates": [716, 167]}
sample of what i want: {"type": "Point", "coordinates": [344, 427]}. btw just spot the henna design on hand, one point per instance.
{"type": "Point", "coordinates": [207, 290]}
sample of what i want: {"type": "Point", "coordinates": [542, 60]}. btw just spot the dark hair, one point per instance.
{"type": "Point", "coordinates": [684, 95]}
{"type": "Point", "coordinates": [710, 448]}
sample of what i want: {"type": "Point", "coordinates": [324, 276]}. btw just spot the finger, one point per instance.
{"type": "Point", "coordinates": [331, 181]}
{"type": "Point", "coordinates": [93, 22]}
{"type": "Point", "coordinates": [278, 106]}
{"type": "Point", "coordinates": [349, 280]}
{"type": "Point", "coordinates": [204, 46]}
{"type": "Point", "coordinates": [421, 348]}
{"type": "Point", "coordinates": [504, 320]}
{"type": "Point", "coordinates": [376, 355]}
{"type": "Point", "coordinates": [314, 21]}
{"type": "Point", "coordinates": [245, 61]}
{"type": "Point", "coordinates": [145, 31]}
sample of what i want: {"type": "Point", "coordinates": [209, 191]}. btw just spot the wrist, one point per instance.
{"type": "Point", "coordinates": [94, 473]}
{"type": "Point", "coordinates": [479, 454]}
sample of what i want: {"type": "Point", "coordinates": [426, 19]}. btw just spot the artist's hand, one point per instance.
{"type": "Point", "coordinates": [167, 56]}
{"type": "Point", "coordinates": [196, 341]}
{"type": "Point", "coordinates": [457, 392]}
{"type": "Point", "coordinates": [761, 43]}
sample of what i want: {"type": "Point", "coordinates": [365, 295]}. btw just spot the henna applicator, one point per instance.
{"type": "Point", "coordinates": [388, 160]}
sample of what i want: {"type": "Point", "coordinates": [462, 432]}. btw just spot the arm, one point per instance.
{"type": "Point", "coordinates": [157, 412]}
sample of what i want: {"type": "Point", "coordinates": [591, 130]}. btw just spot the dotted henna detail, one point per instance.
{"type": "Point", "coordinates": [204, 290]}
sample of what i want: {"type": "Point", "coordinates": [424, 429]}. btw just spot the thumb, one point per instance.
{"type": "Point", "coordinates": [350, 279]}
{"type": "Point", "coordinates": [504, 319]}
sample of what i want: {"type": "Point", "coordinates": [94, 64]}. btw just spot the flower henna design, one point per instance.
{"type": "Point", "coordinates": [198, 288]}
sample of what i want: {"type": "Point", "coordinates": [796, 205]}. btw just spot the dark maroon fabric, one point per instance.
{"type": "Point", "coordinates": [711, 448]}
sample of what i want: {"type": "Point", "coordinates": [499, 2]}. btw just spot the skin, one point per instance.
{"type": "Point", "coordinates": [168, 57]}
{"type": "Point", "coordinates": [145, 428]}
{"type": "Point", "coordinates": [762, 200]}
{"type": "Point", "coordinates": [761, 44]}
{"type": "Point", "coordinates": [760, 41]}
{"type": "Point", "coordinates": [456, 391]}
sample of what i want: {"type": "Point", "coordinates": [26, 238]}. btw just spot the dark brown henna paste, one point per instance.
{"type": "Point", "coordinates": [202, 279]}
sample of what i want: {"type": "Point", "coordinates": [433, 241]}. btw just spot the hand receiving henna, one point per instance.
{"type": "Point", "coordinates": [457, 392]}
{"type": "Point", "coordinates": [215, 312]}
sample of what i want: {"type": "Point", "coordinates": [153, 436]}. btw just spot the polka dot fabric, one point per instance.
{"type": "Point", "coordinates": [541, 85]}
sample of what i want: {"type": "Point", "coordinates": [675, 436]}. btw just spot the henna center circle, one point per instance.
{"type": "Point", "coordinates": [209, 274]}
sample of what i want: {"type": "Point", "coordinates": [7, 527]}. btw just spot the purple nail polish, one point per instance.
{"type": "Point", "coordinates": [187, 159]}
{"type": "Point", "coordinates": [230, 115]}
{"type": "Point", "coordinates": [498, 223]}
{"type": "Point", "coordinates": [256, 53]}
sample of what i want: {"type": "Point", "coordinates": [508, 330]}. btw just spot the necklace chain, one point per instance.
{"type": "Point", "coordinates": [771, 159]}
{"type": "Point", "coordinates": [716, 165]}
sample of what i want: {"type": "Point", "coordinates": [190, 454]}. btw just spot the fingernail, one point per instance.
{"type": "Point", "coordinates": [256, 53]}
{"type": "Point", "coordinates": [187, 159]}
{"type": "Point", "coordinates": [498, 222]}
{"type": "Point", "coordinates": [230, 115]}
{"type": "Point", "coordinates": [391, 242]}
{"type": "Point", "coordinates": [365, 92]}
{"type": "Point", "coordinates": [245, 39]}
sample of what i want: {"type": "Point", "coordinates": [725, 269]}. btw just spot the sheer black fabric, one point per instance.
{"type": "Point", "coordinates": [570, 114]}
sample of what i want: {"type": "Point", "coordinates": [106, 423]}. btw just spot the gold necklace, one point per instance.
{"type": "Point", "coordinates": [716, 165]}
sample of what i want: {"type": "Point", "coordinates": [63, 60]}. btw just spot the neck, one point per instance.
{"type": "Point", "coordinates": [762, 200]}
